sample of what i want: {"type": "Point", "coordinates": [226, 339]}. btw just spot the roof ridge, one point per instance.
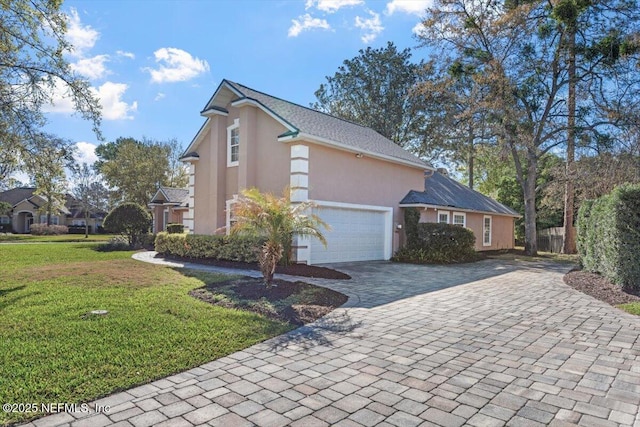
{"type": "Point", "coordinates": [308, 108]}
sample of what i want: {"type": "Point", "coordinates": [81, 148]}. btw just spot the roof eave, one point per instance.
{"type": "Point", "coordinates": [455, 208]}
{"type": "Point", "coordinates": [330, 143]}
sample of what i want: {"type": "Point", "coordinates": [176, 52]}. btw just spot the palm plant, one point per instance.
{"type": "Point", "coordinates": [277, 220]}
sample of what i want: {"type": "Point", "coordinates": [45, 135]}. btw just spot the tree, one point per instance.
{"type": "Point", "coordinates": [90, 192]}
{"type": "Point", "coordinates": [374, 89]}
{"type": "Point", "coordinates": [32, 67]}
{"type": "Point", "coordinates": [131, 220]}
{"type": "Point", "coordinates": [135, 169]}
{"type": "Point", "coordinates": [517, 49]}
{"type": "Point", "coordinates": [47, 171]}
{"type": "Point", "coordinates": [277, 220]}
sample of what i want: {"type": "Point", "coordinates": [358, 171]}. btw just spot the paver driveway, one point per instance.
{"type": "Point", "coordinates": [491, 343]}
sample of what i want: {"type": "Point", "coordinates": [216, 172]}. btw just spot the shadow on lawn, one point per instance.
{"type": "Point", "coordinates": [6, 300]}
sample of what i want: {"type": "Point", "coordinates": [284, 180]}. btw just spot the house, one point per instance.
{"type": "Point", "coordinates": [355, 176]}
{"type": "Point", "coordinates": [169, 206]}
{"type": "Point", "coordinates": [27, 210]}
{"type": "Point", "coordinates": [445, 200]}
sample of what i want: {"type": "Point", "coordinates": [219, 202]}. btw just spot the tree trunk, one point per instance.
{"type": "Point", "coordinates": [470, 139]}
{"type": "Point", "coordinates": [530, 214]}
{"type": "Point", "coordinates": [569, 241]}
{"type": "Point", "coordinates": [86, 224]}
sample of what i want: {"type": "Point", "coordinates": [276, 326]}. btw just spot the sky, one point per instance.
{"type": "Point", "coordinates": [154, 64]}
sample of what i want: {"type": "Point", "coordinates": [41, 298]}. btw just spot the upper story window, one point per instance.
{"type": "Point", "coordinates": [443, 217]}
{"type": "Point", "coordinates": [233, 143]}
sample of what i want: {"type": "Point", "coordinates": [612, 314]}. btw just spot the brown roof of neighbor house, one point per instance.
{"type": "Point", "coordinates": [16, 195]}
{"type": "Point", "coordinates": [304, 120]}
{"type": "Point", "coordinates": [71, 207]}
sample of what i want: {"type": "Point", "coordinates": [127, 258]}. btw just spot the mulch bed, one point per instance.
{"type": "Point", "coordinates": [599, 287]}
{"type": "Point", "coordinates": [293, 269]}
{"type": "Point", "coordinates": [295, 302]}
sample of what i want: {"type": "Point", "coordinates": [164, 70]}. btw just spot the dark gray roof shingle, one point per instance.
{"type": "Point", "coordinates": [440, 190]}
{"type": "Point", "coordinates": [176, 195]}
{"type": "Point", "coordinates": [325, 126]}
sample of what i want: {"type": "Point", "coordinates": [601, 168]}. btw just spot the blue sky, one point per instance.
{"type": "Point", "coordinates": [154, 64]}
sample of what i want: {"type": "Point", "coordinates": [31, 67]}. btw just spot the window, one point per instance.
{"type": "Point", "coordinates": [486, 231]}
{"type": "Point", "coordinates": [229, 213]}
{"type": "Point", "coordinates": [460, 218]}
{"type": "Point", "coordinates": [443, 217]}
{"type": "Point", "coordinates": [54, 219]}
{"type": "Point", "coordinates": [78, 222]}
{"type": "Point", "coordinates": [165, 219]}
{"type": "Point", "coordinates": [5, 220]}
{"type": "Point", "coordinates": [233, 143]}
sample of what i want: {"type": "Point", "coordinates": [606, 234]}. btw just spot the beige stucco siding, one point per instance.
{"type": "Point", "coordinates": [340, 176]}
{"type": "Point", "coordinates": [502, 227]}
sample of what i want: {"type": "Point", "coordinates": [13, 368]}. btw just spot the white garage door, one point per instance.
{"type": "Point", "coordinates": [356, 235]}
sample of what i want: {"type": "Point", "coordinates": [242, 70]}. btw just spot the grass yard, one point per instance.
{"type": "Point", "coordinates": [632, 308]}
{"type": "Point", "coordinates": [59, 238]}
{"type": "Point", "coordinates": [54, 352]}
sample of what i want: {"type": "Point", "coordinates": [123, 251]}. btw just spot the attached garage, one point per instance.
{"type": "Point", "coordinates": [358, 233]}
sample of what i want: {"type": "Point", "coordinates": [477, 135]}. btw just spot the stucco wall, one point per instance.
{"type": "Point", "coordinates": [340, 176]}
{"type": "Point", "coordinates": [502, 227]}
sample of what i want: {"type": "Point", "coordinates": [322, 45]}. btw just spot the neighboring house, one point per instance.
{"type": "Point", "coordinates": [355, 176]}
{"type": "Point", "coordinates": [445, 200]}
{"type": "Point", "coordinates": [28, 210]}
{"type": "Point", "coordinates": [169, 206]}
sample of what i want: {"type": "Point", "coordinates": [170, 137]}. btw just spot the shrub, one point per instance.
{"type": "Point", "coordinates": [131, 220]}
{"type": "Point", "coordinates": [175, 228]}
{"type": "Point", "coordinates": [411, 220]}
{"type": "Point", "coordinates": [118, 243]}
{"type": "Point", "coordinates": [48, 230]}
{"type": "Point", "coordinates": [199, 246]}
{"type": "Point", "coordinates": [582, 229]}
{"type": "Point", "coordinates": [440, 243]}
{"type": "Point", "coordinates": [610, 243]}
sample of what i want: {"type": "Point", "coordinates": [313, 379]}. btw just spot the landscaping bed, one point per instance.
{"type": "Point", "coordinates": [291, 269]}
{"type": "Point", "coordinates": [599, 287]}
{"type": "Point", "coordinates": [297, 303]}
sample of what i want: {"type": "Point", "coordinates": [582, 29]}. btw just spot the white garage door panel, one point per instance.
{"type": "Point", "coordinates": [356, 235]}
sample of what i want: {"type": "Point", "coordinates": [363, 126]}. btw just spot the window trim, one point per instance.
{"type": "Point", "coordinates": [447, 213]}
{"type": "Point", "coordinates": [228, 211]}
{"type": "Point", "coordinates": [230, 129]}
{"type": "Point", "coordinates": [484, 219]}
{"type": "Point", "coordinates": [464, 218]}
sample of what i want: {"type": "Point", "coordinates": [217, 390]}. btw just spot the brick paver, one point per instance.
{"type": "Point", "coordinates": [484, 344]}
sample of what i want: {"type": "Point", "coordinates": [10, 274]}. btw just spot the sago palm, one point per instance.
{"type": "Point", "coordinates": [277, 220]}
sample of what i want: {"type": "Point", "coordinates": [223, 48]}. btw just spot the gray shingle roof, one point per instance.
{"type": "Point", "coordinates": [440, 190]}
{"type": "Point", "coordinates": [16, 195]}
{"type": "Point", "coordinates": [325, 126]}
{"type": "Point", "coordinates": [176, 195]}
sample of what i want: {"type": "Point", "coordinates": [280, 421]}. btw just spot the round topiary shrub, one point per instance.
{"type": "Point", "coordinates": [131, 220]}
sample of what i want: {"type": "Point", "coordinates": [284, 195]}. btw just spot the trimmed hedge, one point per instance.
{"type": "Point", "coordinates": [609, 236]}
{"type": "Point", "coordinates": [48, 230]}
{"type": "Point", "coordinates": [175, 228]}
{"type": "Point", "coordinates": [198, 246]}
{"type": "Point", "coordinates": [439, 243]}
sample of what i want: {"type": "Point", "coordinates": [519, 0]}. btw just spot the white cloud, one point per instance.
{"type": "Point", "coordinates": [113, 107]}
{"type": "Point", "coordinates": [82, 37]}
{"type": "Point", "coordinates": [418, 29]}
{"type": "Point", "coordinates": [331, 6]}
{"type": "Point", "coordinates": [125, 54]}
{"type": "Point", "coordinates": [306, 22]}
{"type": "Point", "coordinates": [413, 7]}
{"type": "Point", "coordinates": [92, 68]}
{"type": "Point", "coordinates": [372, 27]}
{"type": "Point", "coordinates": [176, 65]}
{"type": "Point", "coordinates": [159, 96]}
{"type": "Point", "coordinates": [109, 95]}
{"type": "Point", "coordinates": [85, 153]}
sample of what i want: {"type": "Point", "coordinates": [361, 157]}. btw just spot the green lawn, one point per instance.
{"type": "Point", "coordinates": [632, 307]}
{"type": "Point", "coordinates": [59, 238]}
{"type": "Point", "coordinates": [52, 351]}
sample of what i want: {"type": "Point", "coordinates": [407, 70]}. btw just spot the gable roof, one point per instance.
{"type": "Point", "coordinates": [179, 196]}
{"type": "Point", "coordinates": [303, 122]}
{"type": "Point", "coordinates": [16, 195]}
{"type": "Point", "coordinates": [440, 190]}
